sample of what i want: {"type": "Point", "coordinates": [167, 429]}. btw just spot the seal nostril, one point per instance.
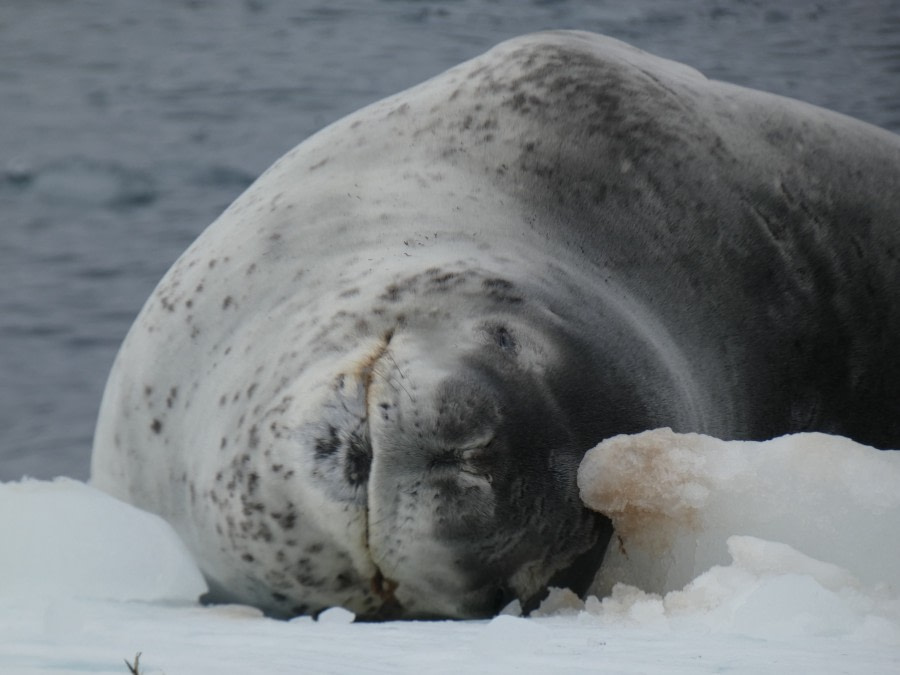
{"type": "Point", "coordinates": [501, 336]}
{"type": "Point", "coordinates": [504, 339]}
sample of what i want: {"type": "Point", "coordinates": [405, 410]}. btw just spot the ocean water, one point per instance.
{"type": "Point", "coordinates": [127, 126]}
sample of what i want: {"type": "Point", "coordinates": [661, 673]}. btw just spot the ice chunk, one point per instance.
{"type": "Point", "coordinates": [769, 591]}
{"type": "Point", "coordinates": [64, 539]}
{"type": "Point", "coordinates": [675, 499]}
{"type": "Point", "coordinates": [336, 615]}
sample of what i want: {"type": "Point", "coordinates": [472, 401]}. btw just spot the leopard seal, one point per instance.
{"type": "Point", "coordinates": [370, 382]}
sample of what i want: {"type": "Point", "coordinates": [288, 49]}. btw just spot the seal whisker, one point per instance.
{"type": "Point", "coordinates": [402, 376]}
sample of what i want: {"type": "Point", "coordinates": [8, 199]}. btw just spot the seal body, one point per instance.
{"type": "Point", "coordinates": [371, 381]}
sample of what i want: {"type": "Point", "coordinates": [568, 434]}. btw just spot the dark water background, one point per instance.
{"type": "Point", "coordinates": [126, 126]}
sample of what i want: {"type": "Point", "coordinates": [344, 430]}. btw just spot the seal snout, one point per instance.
{"type": "Point", "coordinates": [437, 445]}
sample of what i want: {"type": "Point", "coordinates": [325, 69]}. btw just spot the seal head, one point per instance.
{"type": "Point", "coordinates": [471, 498]}
{"type": "Point", "coordinates": [458, 450]}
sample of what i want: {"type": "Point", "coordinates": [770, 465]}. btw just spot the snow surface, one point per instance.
{"type": "Point", "coordinates": [741, 557]}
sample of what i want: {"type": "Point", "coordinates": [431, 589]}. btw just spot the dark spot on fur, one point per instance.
{"type": "Point", "coordinates": [279, 597]}
{"type": "Point", "coordinates": [391, 294]}
{"type": "Point", "coordinates": [264, 533]}
{"type": "Point", "coordinates": [156, 426]}
{"type": "Point", "coordinates": [518, 103]}
{"type": "Point", "coordinates": [247, 557]}
{"type": "Point", "coordinates": [228, 302]}
{"type": "Point", "coordinates": [325, 447]}
{"type": "Point", "coordinates": [253, 437]}
{"type": "Point", "coordinates": [285, 520]}
{"type": "Point", "coordinates": [308, 580]}
{"type": "Point", "coordinates": [358, 461]}
{"type": "Point", "coordinates": [498, 284]}
{"type": "Point", "coordinates": [443, 279]}
{"type": "Point", "coordinates": [500, 290]}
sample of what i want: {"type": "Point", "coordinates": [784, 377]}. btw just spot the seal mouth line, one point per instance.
{"type": "Point", "coordinates": [380, 585]}
{"type": "Point", "coordinates": [367, 369]}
